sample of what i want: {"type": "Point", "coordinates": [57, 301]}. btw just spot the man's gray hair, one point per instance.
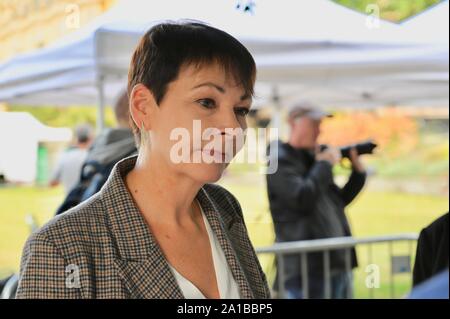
{"type": "Point", "coordinates": [83, 133]}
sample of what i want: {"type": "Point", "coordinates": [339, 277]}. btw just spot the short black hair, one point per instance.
{"type": "Point", "coordinates": [167, 47]}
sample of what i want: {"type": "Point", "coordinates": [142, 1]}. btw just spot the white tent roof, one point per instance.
{"type": "Point", "coordinates": [311, 49]}
{"type": "Point", "coordinates": [31, 127]}
{"type": "Point", "coordinates": [18, 164]}
{"type": "Point", "coordinates": [431, 26]}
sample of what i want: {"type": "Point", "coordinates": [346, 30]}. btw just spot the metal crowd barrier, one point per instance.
{"type": "Point", "coordinates": [280, 250]}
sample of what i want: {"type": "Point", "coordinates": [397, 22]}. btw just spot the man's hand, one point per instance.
{"type": "Point", "coordinates": [356, 161]}
{"type": "Point", "coordinates": [331, 155]}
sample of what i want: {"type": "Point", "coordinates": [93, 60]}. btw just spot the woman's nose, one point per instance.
{"type": "Point", "coordinates": [227, 121]}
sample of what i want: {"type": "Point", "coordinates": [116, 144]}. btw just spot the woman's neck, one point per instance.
{"type": "Point", "coordinates": [162, 195]}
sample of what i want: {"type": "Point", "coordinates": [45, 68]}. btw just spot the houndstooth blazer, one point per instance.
{"type": "Point", "coordinates": [103, 248]}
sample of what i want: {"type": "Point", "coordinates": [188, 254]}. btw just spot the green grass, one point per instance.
{"type": "Point", "coordinates": [373, 213]}
{"type": "Point", "coordinates": [15, 204]}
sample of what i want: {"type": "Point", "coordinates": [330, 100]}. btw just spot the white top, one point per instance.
{"type": "Point", "coordinates": [68, 169]}
{"type": "Point", "coordinates": [228, 288]}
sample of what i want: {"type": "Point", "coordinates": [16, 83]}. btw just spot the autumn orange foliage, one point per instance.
{"type": "Point", "coordinates": [395, 132]}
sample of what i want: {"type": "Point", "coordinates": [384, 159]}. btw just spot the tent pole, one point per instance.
{"type": "Point", "coordinates": [101, 105]}
{"type": "Point", "coordinates": [276, 118]}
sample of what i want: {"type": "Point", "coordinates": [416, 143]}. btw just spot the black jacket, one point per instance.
{"type": "Point", "coordinates": [306, 204]}
{"type": "Point", "coordinates": [432, 250]}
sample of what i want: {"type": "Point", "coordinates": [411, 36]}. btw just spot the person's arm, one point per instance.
{"type": "Point", "coordinates": [56, 176]}
{"type": "Point", "coordinates": [422, 265]}
{"type": "Point", "coordinates": [356, 180]}
{"type": "Point", "coordinates": [43, 272]}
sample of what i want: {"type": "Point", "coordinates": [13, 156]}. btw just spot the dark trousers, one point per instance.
{"type": "Point", "coordinates": [341, 287]}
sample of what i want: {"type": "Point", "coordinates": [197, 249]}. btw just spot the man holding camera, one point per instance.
{"type": "Point", "coordinates": [306, 204]}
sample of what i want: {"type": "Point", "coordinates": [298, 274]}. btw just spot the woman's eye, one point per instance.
{"type": "Point", "coordinates": [242, 111]}
{"type": "Point", "coordinates": [207, 103]}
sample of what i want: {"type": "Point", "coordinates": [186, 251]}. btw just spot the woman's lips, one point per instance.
{"type": "Point", "coordinates": [211, 155]}
{"type": "Point", "coordinates": [215, 155]}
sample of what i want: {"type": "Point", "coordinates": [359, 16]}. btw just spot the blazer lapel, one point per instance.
{"type": "Point", "coordinates": [140, 262]}
{"type": "Point", "coordinates": [222, 223]}
{"type": "Point", "coordinates": [148, 279]}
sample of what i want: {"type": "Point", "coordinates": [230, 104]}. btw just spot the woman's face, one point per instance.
{"type": "Point", "coordinates": [199, 125]}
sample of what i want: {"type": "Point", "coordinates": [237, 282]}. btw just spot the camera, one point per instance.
{"type": "Point", "coordinates": [362, 148]}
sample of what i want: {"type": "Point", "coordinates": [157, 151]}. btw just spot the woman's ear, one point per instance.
{"type": "Point", "coordinates": [142, 105]}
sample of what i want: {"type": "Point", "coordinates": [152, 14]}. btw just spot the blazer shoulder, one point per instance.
{"type": "Point", "coordinates": [80, 224]}
{"type": "Point", "coordinates": [65, 240]}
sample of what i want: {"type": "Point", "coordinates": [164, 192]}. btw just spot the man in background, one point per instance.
{"type": "Point", "coordinates": [69, 165]}
{"type": "Point", "coordinates": [306, 204]}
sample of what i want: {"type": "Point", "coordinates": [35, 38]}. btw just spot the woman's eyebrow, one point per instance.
{"type": "Point", "coordinates": [211, 84]}
{"type": "Point", "coordinates": [220, 89]}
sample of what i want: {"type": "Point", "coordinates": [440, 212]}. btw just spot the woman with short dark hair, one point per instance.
{"type": "Point", "coordinates": [159, 228]}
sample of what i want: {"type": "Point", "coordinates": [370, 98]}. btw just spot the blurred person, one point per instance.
{"type": "Point", "coordinates": [112, 145]}
{"type": "Point", "coordinates": [69, 165]}
{"type": "Point", "coordinates": [159, 228]}
{"type": "Point", "coordinates": [306, 204]}
{"type": "Point", "coordinates": [432, 250]}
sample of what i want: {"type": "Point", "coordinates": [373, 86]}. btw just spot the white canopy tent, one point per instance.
{"type": "Point", "coordinates": [19, 164]}
{"type": "Point", "coordinates": [310, 49]}
{"type": "Point", "coordinates": [431, 26]}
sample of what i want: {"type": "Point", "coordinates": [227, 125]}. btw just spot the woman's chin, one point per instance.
{"type": "Point", "coordinates": [207, 173]}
